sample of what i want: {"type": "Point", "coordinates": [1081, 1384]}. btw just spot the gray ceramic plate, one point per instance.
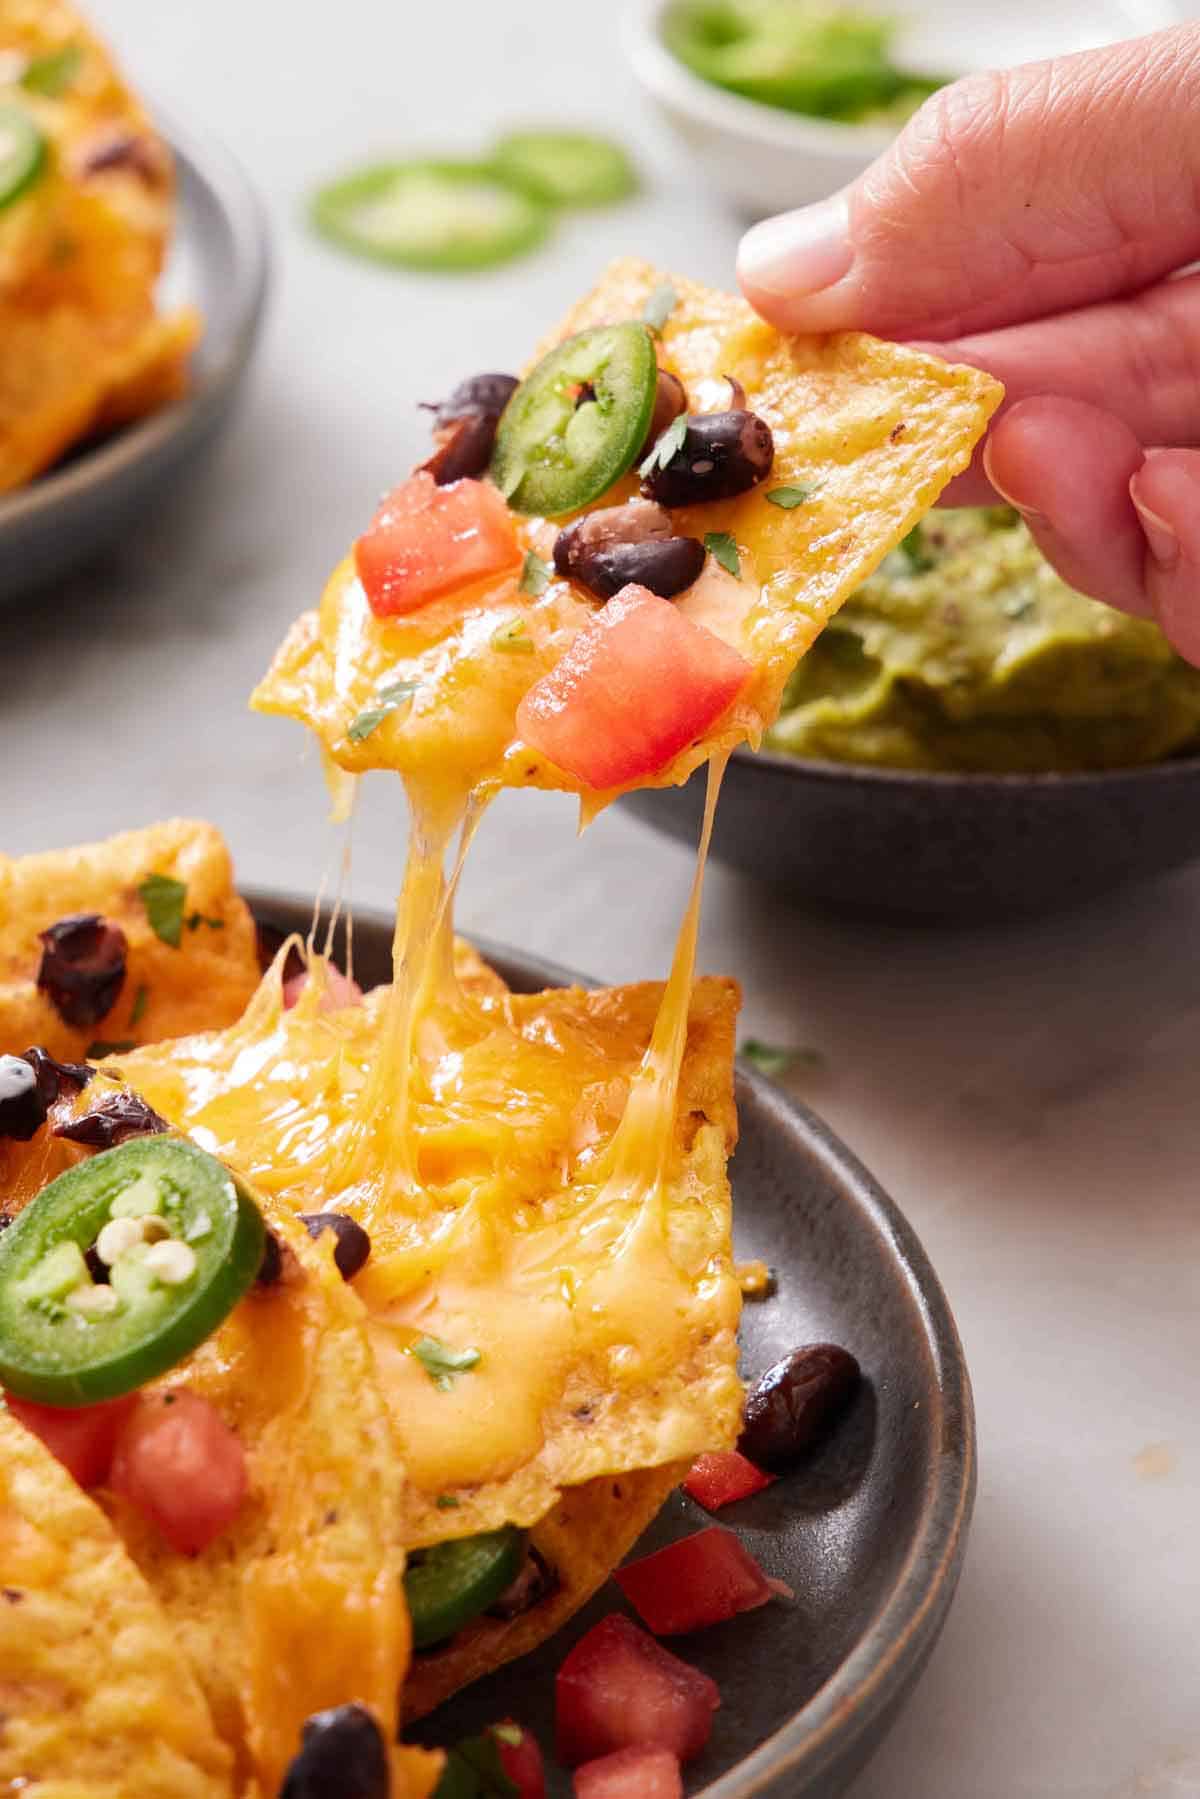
{"type": "Point", "coordinates": [961, 847]}
{"type": "Point", "coordinates": [219, 263]}
{"type": "Point", "coordinates": [870, 1535]}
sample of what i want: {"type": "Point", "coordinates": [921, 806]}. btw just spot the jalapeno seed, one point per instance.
{"type": "Point", "coordinates": [342, 1756]}
{"type": "Point", "coordinates": [722, 454]}
{"type": "Point", "coordinates": [351, 1245]}
{"type": "Point", "coordinates": [22, 1108]}
{"type": "Point", "coordinates": [606, 550]}
{"type": "Point", "coordinates": [795, 1403]}
{"type": "Point", "coordinates": [83, 967]}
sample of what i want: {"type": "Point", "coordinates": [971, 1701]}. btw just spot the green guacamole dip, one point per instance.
{"type": "Point", "coordinates": [831, 62]}
{"type": "Point", "coordinates": [966, 651]}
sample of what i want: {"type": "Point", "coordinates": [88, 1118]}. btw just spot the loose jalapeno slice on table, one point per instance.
{"type": "Point", "coordinates": [577, 422]}
{"type": "Point", "coordinates": [451, 1583]}
{"type": "Point", "coordinates": [181, 1241]}
{"type": "Point", "coordinates": [571, 168]}
{"type": "Point", "coordinates": [22, 152]}
{"type": "Point", "coordinates": [432, 215]}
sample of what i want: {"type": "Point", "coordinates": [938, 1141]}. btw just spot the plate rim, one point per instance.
{"type": "Point", "coordinates": [892, 1649]}
{"type": "Point", "coordinates": [203, 159]}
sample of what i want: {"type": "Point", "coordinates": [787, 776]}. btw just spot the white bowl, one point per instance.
{"type": "Point", "coordinates": [766, 160]}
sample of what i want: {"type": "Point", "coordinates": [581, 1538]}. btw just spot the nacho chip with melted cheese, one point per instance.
{"type": "Point", "coordinates": [82, 345]}
{"type": "Point", "coordinates": [871, 432]}
{"type": "Point", "coordinates": [202, 980]}
{"type": "Point", "coordinates": [98, 1697]}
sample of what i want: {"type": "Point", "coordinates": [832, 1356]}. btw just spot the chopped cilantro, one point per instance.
{"type": "Point", "coordinates": [389, 699]}
{"type": "Point", "coordinates": [773, 1059]}
{"type": "Point", "coordinates": [164, 899]}
{"type": "Point", "coordinates": [512, 1734]}
{"type": "Point", "coordinates": [447, 1502]}
{"type": "Point", "coordinates": [442, 1364]}
{"type": "Point", "coordinates": [474, 1771]}
{"type": "Point", "coordinates": [535, 574]}
{"type": "Point", "coordinates": [788, 498]}
{"type": "Point", "coordinates": [513, 639]}
{"type": "Point", "coordinates": [52, 74]}
{"type": "Point", "coordinates": [723, 549]}
{"type": "Point", "coordinates": [659, 307]}
{"type": "Point", "coordinates": [668, 444]}
{"type": "Point", "coordinates": [194, 920]}
{"type": "Point", "coordinates": [917, 551]}
{"type": "Point", "coordinates": [140, 1000]}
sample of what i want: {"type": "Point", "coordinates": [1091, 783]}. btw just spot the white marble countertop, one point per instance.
{"type": "Point", "coordinates": [1029, 1096]}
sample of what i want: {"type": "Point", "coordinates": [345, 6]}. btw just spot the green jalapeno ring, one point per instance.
{"type": "Point", "coordinates": [57, 1356]}
{"type": "Point", "coordinates": [450, 1583]}
{"type": "Point", "coordinates": [577, 421]}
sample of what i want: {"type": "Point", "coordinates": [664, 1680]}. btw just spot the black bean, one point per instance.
{"type": "Point", "coordinates": [271, 1267]}
{"type": "Point", "coordinates": [487, 394]}
{"type": "Point", "coordinates": [57, 1080]}
{"type": "Point", "coordinates": [670, 399]}
{"type": "Point", "coordinates": [606, 550]}
{"type": "Point", "coordinates": [464, 449]}
{"type": "Point", "coordinates": [133, 151]}
{"type": "Point", "coordinates": [722, 454]}
{"type": "Point", "coordinates": [117, 1118]}
{"type": "Point", "coordinates": [795, 1403]}
{"type": "Point", "coordinates": [352, 1245]}
{"type": "Point", "coordinates": [22, 1108]}
{"type": "Point", "coordinates": [342, 1756]}
{"type": "Point", "coordinates": [536, 1581]}
{"type": "Point", "coordinates": [83, 967]}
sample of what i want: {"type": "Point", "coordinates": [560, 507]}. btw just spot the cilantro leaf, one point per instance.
{"type": "Point", "coordinates": [772, 1059]}
{"type": "Point", "coordinates": [722, 548]}
{"type": "Point", "coordinates": [102, 1047]}
{"type": "Point", "coordinates": [140, 1000]}
{"type": "Point", "coordinates": [788, 498]}
{"type": "Point", "coordinates": [52, 74]}
{"type": "Point", "coordinates": [474, 1771]}
{"type": "Point", "coordinates": [535, 574]}
{"type": "Point", "coordinates": [388, 699]}
{"type": "Point", "coordinates": [659, 307]}
{"type": "Point", "coordinates": [917, 551]}
{"type": "Point", "coordinates": [164, 899]}
{"type": "Point", "coordinates": [668, 445]}
{"type": "Point", "coordinates": [447, 1502]}
{"type": "Point", "coordinates": [442, 1364]}
{"type": "Point", "coordinates": [513, 639]}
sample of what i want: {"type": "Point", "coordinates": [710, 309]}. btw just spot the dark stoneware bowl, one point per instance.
{"type": "Point", "coordinates": [939, 846]}
{"type": "Point", "coordinates": [870, 1534]}
{"type": "Point", "coordinates": [219, 263]}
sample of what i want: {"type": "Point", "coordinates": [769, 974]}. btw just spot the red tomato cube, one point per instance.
{"type": "Point", "coordinates": [521, 1759]}
{"type": "Point", "coordinates": [619, 1689]}
{"type": "Point", "coordinates": [638, 684]}
{"type": "Point", "coordinates": [718, 1479]}
{"type": "Point", "coordinates": [631, 1774]}
{"type": "Point", "coordinates": [340, 990]}
{"type": "Point", "coordinates": [82, 1437]}
{"type": "Point", "coordinates": [700, 1580]}
{"type": "Point", "coordinates": [426, 540]}
{"type": "Point", "coordinates": [179, 1463]}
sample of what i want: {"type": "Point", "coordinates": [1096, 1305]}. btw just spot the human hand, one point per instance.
{"type": "Point", "coordinates": [1034, 223]}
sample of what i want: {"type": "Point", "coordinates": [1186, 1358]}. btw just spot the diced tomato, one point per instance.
{"type": "Point", "coordinates": [340, 990]}
{"type": "Point", "coordinates": [638, 684]}
{"type": "Point", "coordinates": [718, 1479]}
{"type": "Point", "coordinates": [631, 1774]}
{"type": "Point", "coordinates": [700, 1580]}
{"type": "Point", "coordinates": [521, 1761]}
{"type": "Point", "coordinates": [179, 1463]}
{"type": "Point", "coordinates": [82, 1437]}
{"type": "Point", "coordinates": [619, 1689]}
{"type": "Point", "coordinates": [426, 540]}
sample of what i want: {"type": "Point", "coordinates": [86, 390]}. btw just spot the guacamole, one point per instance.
{"type": "Point", "coordinates": [831, 62]}
{"type": "Point", "coordinates": [966, 651]}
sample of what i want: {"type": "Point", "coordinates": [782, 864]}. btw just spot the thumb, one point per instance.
{"type": "Point", "coordinates": [1007, 197]}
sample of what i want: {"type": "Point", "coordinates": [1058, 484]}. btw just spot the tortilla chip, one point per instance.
{"type": "Point", "coordinates": [204, 983]}
{"type": "Point", "coordinates": [589, 1532]}
{"type": "Point", "coordinates": [299, 1606]}
{"type": "Point", "coordinates": [98, 1698]}
{"type": "Point", "coordinates": [605, 1324]}
{"type": "Point", "coordinates": [871, 432]}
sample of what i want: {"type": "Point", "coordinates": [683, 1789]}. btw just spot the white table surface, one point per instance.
{"type": "Point", "coordinates": [1029, 1096]}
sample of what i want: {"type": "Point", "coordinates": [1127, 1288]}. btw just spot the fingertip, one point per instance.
{"type": "Point", "coordinates": [793, 268]}
{"type": "Point", "coordinates": [1165, 492]}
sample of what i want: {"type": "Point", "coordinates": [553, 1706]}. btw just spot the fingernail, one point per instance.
{"type": "Point", "coordinates": [799, 253]}
{"type": "Point", "coordinates": [1030, 514]}
{"type": "Point", "coordinates": [1161, 537]}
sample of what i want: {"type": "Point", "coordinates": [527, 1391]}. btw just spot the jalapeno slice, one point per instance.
{"type": "Point", "coordinates": [451, 1583]}
{"type": "Point", "coordinates": [432, 215]}
{"type": "Point", "coordinates": [571, 168]}
{"type": "Point", "coordinates": [180, 1239]}
{"type": "Point", "coordinates": [577, 422]}
{"type": "Point", "coordinates": [22, 152]}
